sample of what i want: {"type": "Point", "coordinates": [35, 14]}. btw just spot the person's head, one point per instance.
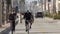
{"type": "Point", "coordinates": [27, 11]}
{"type": "Point", "coordinates": [13, 11]}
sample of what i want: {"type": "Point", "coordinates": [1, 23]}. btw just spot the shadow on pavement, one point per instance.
{"type": "Point", "coordinates": [7, 30]}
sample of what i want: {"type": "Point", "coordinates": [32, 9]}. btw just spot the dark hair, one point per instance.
{"type": "Point", "coordinates": [13, 10]}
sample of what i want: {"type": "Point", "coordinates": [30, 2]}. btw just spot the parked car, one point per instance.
{"type": "Point", "coordinates": [39, 14]}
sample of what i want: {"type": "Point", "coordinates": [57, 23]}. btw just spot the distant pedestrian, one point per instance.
{"type": "Point", "coordinates": [20, 17]}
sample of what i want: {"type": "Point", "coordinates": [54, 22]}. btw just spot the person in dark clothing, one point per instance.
{"type": "Point", "coordinates": [28, 16]}
{"type": "Point", "coordinates": [12, 17]}
{"type": "Point", "coordinates": [32, 18]}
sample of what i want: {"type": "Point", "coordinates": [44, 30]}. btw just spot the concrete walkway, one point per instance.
{"type": "Point", "coordinates": [40, 26]}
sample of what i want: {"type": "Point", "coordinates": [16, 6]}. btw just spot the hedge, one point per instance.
{"type": "Point", "coordinates": [57, 17]}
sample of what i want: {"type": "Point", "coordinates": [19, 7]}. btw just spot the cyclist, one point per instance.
{"type": "Point", "coordinates": [28, 16]}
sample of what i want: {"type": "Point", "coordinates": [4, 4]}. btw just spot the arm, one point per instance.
{"type": "Point", "coordinates": [24, 16]}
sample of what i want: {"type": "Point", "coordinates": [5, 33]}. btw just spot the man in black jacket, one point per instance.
{"type": "Point", "coordinates": [28, 16]}
{"type": "Point", "coordinates": [12, 17]}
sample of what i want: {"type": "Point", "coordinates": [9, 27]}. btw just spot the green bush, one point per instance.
{"type": "Point", "coordinates": [48, 15]}
{"type": "Point", "coordinates": [57, 17]}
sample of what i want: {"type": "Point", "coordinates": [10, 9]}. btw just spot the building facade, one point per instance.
{"type": "Point", "coordinates": [58, 6]}
{"type": "Point", "coordinates": [49, 6]}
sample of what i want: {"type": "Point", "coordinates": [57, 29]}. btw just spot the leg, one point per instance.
{"type": "Point", "coordinates": [31, 23]}
{"type": "Point", "coordinates": [13, 25]}
{"type": "Point", "coordinates": [26, 24]}
{"type": "Point", "coordinates": [12, 29]}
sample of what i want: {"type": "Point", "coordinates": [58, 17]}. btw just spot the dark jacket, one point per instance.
{"type": "Point", "coordinates": [27, 16]}
{"type": "Point", "coordinates": [12, 16]}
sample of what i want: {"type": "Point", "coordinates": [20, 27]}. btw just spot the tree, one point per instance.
{"type": "Point", "coordinates": [8, 1]}
{"type": "Point", "coordinates": [23, 1]}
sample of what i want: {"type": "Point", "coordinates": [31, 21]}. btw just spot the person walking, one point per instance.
{"type": "Point", "coordinates": [12, 17]}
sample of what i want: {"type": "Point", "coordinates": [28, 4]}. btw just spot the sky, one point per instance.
{"type": "Point", "coordinates": [30, 0]}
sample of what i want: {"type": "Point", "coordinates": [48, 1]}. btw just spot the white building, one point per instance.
{"type": "Point", "coordinates": [54, 6]}
{"type": "Point", "coordinates": [58, 6]}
